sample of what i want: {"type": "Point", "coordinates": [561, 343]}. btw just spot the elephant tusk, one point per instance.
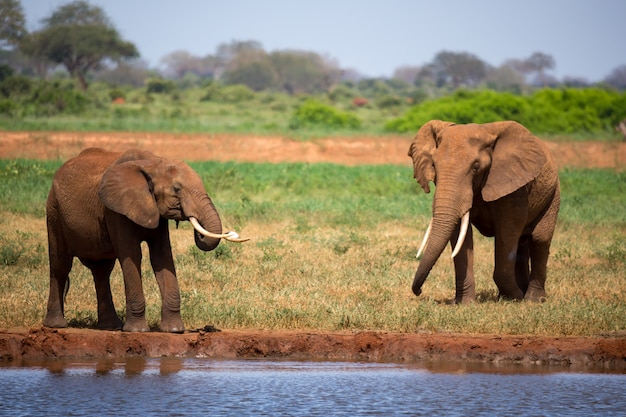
{"type": "Point", "coordinates": [230, 236]}
{"type": "Point", "coordinates": [425, 240]}
{"type": "Point", "coordinates": [462, 233]}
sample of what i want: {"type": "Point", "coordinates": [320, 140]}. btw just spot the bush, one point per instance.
{"type": "Point", "coordinates": [388, 101]}
{"type": "Point", "coordinates": [15, 85]}
{"type": "Point", "coordinates": [312, 113]}
{"type": "Point", "coordinates": [51, 98]}
{"type": "Point", "coordinates": [159, 86]}
{"type": "Point", "coordinates": [342, 92]}
{"type": "Point", "coordinates": [235, 93]}
{"type": "Point", "coordinates": [116, 94]}
{"type": "Point", "coordinates": [546, 111]}
{"type": "Point", "coordinates": [6, 71]}
{"type": "Point", "coordinates": [8, 107]}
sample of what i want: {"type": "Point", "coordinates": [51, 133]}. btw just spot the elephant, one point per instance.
{"type": "Point", "coordinates": [101, 206]}
{"type": "Point", "coordinates": [500, 178]}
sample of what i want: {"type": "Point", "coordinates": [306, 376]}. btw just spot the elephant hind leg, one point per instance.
{"type": "Point", "coordinates": [60, 267]}
{"type": "Point", "coordinates": [101, 271]}
{"type": "Point", "coordinates": [522, 265]}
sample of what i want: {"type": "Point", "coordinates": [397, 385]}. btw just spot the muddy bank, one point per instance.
{"type": "Point", "coordinates": [21, 346]}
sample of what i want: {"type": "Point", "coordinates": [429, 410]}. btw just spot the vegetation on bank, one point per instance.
{"type": "Point", "coordinates": [333, 248]}
{"type": "Point", "coordinates": [372, 109]}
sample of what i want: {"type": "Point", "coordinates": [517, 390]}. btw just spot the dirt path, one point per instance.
{"type": "Point", "coordinates": [247, 148]}
{"type": "Point", "coordinates": [23, 345]}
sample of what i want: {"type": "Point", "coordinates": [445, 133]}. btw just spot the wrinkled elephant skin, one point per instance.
{"type": "Point", "coordinates": [505, 179]}
{"type": "Point", "coordinates": [101, 206]}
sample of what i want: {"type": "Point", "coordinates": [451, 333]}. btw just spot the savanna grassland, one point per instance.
{"type": "Point", "coordinates": [322, 185]}
{"type": "Point", "coordinates": [332, 248]}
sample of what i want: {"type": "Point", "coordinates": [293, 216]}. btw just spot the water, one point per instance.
{"type": "Point", "coordinates": [180, 387]}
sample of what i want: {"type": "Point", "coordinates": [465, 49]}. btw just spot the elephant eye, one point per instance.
{"type": "Point", "coordinates": [176, 188]}
{"type": "Point", "coordinates": [475, 166]}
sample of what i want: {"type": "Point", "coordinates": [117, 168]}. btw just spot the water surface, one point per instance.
{"type": "Point", "coordinates": [180, 387]}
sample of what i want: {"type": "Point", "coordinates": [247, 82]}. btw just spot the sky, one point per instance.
{"type": "Point", "coordinates": [375, 37]}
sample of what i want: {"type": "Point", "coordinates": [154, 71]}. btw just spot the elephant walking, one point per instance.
{"type": "Point", "coordinates": [500, 178]}
{"type": "Point", "coordinates": [101, 206]}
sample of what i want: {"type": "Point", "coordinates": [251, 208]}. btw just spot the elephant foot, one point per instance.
{"type": "Point", "coordinates": [111, 324]}
{"type": "Point", "coordinates": [55, 321]}
{"type": "Point", "coordinates": [172, 326]}
{"type": "Point", "coordinates": [136, 325]}
{"type": "Point", "coordinates": [536, 296]}
{"type": "Point", "coordinates": [507, 297]}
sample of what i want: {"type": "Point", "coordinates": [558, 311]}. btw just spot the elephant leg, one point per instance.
{"type": "Point", "coordinates": [464, 268]}
{"type": "Point", "coordinates": [101, 271]}
{"type": "Point", "coordinates": [539, 252]}
{"type": "Point", "coordinates": [522, 270]}
{"type": "Point", "coordinates": [512, 212]}
{"type": "Point", "coordinates": [60, 267]}
{"type": "Point", "coordinates": [133, 287]}
{"type": "Point", "coordinates": [126, 241]}
{"type": "Point", "coordinates": [165, 274]}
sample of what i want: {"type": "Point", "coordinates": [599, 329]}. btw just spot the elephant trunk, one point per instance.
{"type": "Point", "coordinates": [209, 220]}
{"type": "Point", "coordinates": [442, 226]}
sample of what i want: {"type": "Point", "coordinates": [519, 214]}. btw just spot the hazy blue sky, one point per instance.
{"type": "Point", "coordinates": [374, 37]}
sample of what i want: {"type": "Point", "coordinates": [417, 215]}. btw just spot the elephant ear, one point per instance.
{"type": "Point", "coordinates": [517, 159]}
{"type": "Point", "coordinates": [126, 189]}
{"type": "Point", "coordinates": [422, 149]}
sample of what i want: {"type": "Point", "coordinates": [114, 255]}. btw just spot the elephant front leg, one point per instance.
{"type": "Point", "coordinates": [464, 269]}
{"type": "Point", "coordinates": [504, 270]}
{"type": "Point", "coordinates": [165, 274]}
{"type": "Point", "coordinates": [135, 300]}
{"type": "Point", "coordinates": [539, 252]}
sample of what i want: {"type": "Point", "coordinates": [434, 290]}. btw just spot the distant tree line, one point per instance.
{"type": "Point", "coordinates": [82, 40]}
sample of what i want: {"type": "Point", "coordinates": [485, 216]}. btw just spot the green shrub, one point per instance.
{"type": "Point", "coordinates": [16, 85]}
{"type": "Point", "coordinates": [312, 113]}
{"type": "Point", "coordinates": [342, 92]}
{"type": "Point", "coordinates": [8, 107]}
{"type": "Point", "coordinates": [546, 111]}
{"type": "Point", "coordinates": [159, 86]}
{"type": "Point", "coordinates": [388, 101]}
{"type": "Point", "coordinates": [6, 71]}
{"type": "Point", "coordinates": [235, 93]}
{"type": "Point", "coordinates": [52, 98]}
{"type": "Point", "coordinates": [117, 93]}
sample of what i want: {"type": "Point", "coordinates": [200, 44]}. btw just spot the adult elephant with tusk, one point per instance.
{"type": "Point", "coordinates": [500, 178]}
{"type": "Point", "coordinates": [101, 206]}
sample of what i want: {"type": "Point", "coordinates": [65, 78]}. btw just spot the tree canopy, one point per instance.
{"type": "Point", "coordinates": [79, 37]}
{"type": "Point", "coordinates": [12, 23]}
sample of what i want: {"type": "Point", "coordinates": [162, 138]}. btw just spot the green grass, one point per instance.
{"type": "Point", "coordinates": [332, 248]}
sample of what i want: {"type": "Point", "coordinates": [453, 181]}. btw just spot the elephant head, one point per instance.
{"type": "Point", "coordinates": [469, 164]}
{"type": "Point", "coordinates": [144, 188]}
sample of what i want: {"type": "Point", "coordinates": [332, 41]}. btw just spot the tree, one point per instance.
{"type": "Point", "coordinates": [257, 75]}
{"type": "Point", "coordinates": [617, 78]}
{"type": "Point", "coordinates": [304, 72]}
{"type": "Point", "coordinates": [457, 68]}
{"type": "Point", "coordinates": [178, 63]}
{"type": "Point", "coordinates": [505, 78]}
{"type": "Point", "coordinates": [12, 23]}
{"type": "Point", "coordinates": [406, 73]}
{"type": "Point", "coordinates": [81, 38]}
{"type": "Point", "coordinates": [539, 62]}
